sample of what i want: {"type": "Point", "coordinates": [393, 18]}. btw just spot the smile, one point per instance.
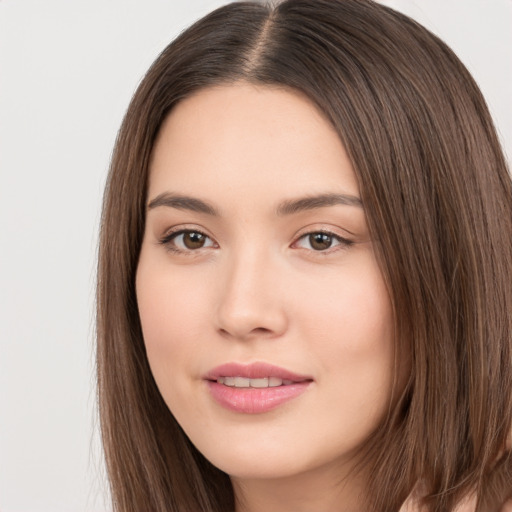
{"type": "Point", "coordinates": [254, 388]}
{"type": "Point", "coordinates": [244, 382]}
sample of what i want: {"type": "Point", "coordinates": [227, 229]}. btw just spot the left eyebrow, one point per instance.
{"type": "Point", "coordinates": [292, 206]}
{"type": "Point", "coordinates": [182, 203]}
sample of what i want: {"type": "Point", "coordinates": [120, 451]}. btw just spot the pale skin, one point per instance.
{"type": "Point", "coordinates": [239, 265]}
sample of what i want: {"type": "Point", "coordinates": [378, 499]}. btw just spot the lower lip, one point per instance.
{"type": "Point", "coordinates": [255, 400]}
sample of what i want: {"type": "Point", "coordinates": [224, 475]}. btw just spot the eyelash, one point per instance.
{"type": "Point", "coordinates": [169, 241]}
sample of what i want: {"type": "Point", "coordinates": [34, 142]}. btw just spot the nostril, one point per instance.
{"type": "Point", "coordinates": [261, 330]}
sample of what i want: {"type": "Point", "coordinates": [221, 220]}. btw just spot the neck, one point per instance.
{"type": "Point", "coordinates": [317, 490]}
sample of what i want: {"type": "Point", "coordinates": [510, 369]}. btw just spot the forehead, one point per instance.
{"type": "Point", "coordinates": [246, 140]}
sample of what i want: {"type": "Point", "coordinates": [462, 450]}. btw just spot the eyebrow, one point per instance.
{"type": "Point", "coordinates": [288, 207]}
{"type": "Point", "coordinates": [182, 203]}
{"type": "Point", "coordinates": [292, 206]}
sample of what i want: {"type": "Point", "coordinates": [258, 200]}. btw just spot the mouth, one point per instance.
{"type": "Point", "coordinates": [244, 382]}
{"type": "Point", "coordinates": [254, 388]}
{"type": "Point", "coordinates": [259, 373]}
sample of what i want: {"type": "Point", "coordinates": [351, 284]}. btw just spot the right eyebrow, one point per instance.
{"type": "Point", "coordinates": [182, 203]}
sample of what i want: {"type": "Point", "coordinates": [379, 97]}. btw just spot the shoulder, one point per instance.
{"type": "Point", "coordinates": [413, 502]}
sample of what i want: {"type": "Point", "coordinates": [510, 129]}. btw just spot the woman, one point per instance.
{"type": "Point", "coordinates": [304, 279]}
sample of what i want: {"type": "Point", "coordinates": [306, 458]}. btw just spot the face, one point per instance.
{"type": "Point", "coordinates": [265, 316]}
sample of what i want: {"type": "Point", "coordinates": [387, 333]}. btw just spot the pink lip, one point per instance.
{"type": "Point", "coordinates": [255, 400]}
{"type": "Point", "coordinates": [254, 371]}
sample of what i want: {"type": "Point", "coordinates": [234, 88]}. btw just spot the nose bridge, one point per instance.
{"type": "Point", "coordinates": [249, 303]}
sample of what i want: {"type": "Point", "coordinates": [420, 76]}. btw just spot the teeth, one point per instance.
{"type": "Point", "coordinates": [259, 383]}
{"type": "Point", "coordinates": [243, 382]}
{"type": "Point", "coordinates": [274, 382]}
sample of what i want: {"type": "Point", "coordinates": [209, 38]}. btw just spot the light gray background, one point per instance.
{"type": "Point", "coordinates": [67, 72]}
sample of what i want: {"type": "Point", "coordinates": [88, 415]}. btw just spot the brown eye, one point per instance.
{"type": "Point", "coordinates": [194, 240]}
{"type": "Point", "coordinates": [187, 240]}
{"type": "Point", "coordinates": [320, 241]}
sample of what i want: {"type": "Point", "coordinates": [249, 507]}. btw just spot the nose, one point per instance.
{"type": "Point", "coordinates": [251, 302]}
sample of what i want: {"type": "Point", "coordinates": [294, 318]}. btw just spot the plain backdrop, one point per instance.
{"type": "Point", "coordinates": [67, 72]}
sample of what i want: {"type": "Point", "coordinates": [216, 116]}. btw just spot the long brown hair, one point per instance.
{"type": "Point", "coordinates": [438, 201]}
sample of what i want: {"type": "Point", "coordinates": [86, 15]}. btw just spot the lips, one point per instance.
{"type": "Point", "coordinates": [254, 388]}
{"type": "Point", "coordinates": [254, 371]}
{"type": "Point", "coordinates": [244, 382]}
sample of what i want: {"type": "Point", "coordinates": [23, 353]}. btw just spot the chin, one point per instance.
{"type": "Point", "coordinates": [262, 459]}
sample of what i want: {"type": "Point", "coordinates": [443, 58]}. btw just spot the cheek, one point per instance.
{"type": "Point", "coordinates": [350, 312]}
{"type": "Point", "coordinates": [350, 332]}
{"type": "Point", "coordinates": [172, 314]}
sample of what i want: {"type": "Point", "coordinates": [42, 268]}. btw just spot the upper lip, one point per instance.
{"type": "Point", "coordinates": [258, 370]}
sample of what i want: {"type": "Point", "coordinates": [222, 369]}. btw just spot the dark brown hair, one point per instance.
{"type": "Point", "coordinates": [438, 201]}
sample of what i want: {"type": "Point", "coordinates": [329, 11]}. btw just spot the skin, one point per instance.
{"type": "Point", "coordinates": [259, 290]}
